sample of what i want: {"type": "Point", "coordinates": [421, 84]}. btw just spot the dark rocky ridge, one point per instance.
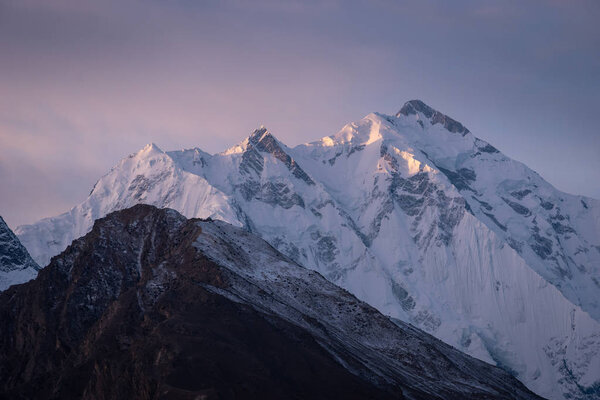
{"type": "Point", "coordinates": [417, 106]}
{"type": "Point", "coordinates": [16, 265]}
{"type": "Point", "coordinates": [12, 253]}
{"type": "Point", "coordinates": [147, 306]}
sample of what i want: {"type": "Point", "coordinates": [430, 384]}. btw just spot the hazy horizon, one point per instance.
{"type": "Point", "coordinates": [86, 84]}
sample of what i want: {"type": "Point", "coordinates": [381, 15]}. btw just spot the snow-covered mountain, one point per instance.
{"type": "Point", "coordinates": [16, 265]}
{"type": "Point", "coordinates": [412, 214]}
{"type": "Point", "coordinates": [152, 305]}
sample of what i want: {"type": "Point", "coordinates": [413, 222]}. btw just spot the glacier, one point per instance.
{"type": "Point", "coordinates": [409, 212]}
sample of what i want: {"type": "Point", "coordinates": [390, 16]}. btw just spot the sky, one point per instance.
{"type": "Point", "coordinates": [83, 84]}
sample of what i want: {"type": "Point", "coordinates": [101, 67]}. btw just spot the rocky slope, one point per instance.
{"type": "Point", "coordinates": [151, 305]}
{"type": "Point", "coordinates": [411, 213]}
{"type": "Point", "coordinates": [16, 265]}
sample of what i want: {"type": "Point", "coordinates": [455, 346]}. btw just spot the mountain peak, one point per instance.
{"type": "Point", "coordinates": [415, 106]}
{"type": "Point", "coordinates": [256, 139]}
{"type": "Point", "coordinates": [150, 148]}
{"type": "Point", "coordinates": [259, 134]}
{"type": "Point", "coordinates": [418, 107]}
{"type": "Point", "coordinates": [263, 141]}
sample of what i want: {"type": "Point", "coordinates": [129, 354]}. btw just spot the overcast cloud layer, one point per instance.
{"type": "Point", "coordinates": [84, 84]}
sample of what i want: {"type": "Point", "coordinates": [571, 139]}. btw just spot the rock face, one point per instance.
{"type": "Point", "coordinates": [16, 265]}
{"type": "Point", "coordinates": [151, 305]}
{"type": "Point", "coordinates": [411, 213]}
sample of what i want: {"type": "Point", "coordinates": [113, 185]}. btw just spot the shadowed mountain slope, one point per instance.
{"type": "Point", "coordinates": [152, 305]}
{"type": "Point", "coordinates": [16, 265]}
